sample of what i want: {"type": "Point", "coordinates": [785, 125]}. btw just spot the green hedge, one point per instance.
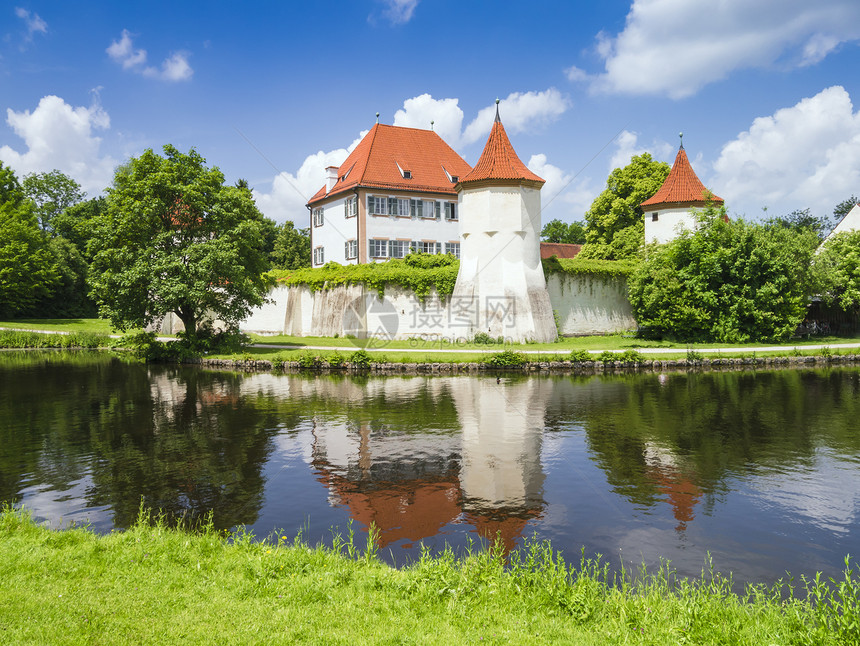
{"type": "Point", "coordinates": [418, 272]}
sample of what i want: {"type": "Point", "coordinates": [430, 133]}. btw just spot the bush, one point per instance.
{"type": "Point", "coordinates": [508, 358]}
{"type": "Point", "coordinates": [309, 361]}
{"type": "Point", "coordinates": [482, 338]}
{"type": "Point", "coordinates": [335, 360]}
{"type": "Point", "coordinates": [360, 359]}
{"type": "Point", "coordinates": [581, 356]}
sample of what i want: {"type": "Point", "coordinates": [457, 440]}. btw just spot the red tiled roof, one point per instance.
{"type": "Point", "coordinates": [682, 187]}
{"type": "Point", "coordinates": [560, 249]}
{"type": "Point", "coordinates": [499, 161]}
{"type": "Point", "coordinates": [374, 163]}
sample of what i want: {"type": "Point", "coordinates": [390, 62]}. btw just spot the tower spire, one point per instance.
{"type": "Point", "coordinates": [498, 120]}
{"type": "Point", "coordinates": [681, 135]}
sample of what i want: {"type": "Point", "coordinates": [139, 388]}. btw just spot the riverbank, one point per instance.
{"type": "Point", "coordinates": [151, 584]}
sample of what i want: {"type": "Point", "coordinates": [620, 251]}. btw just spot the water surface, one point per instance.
{"type": "Point", "coordinates": [759, 469]}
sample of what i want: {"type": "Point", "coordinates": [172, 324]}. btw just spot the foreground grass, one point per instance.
{"type": "Point", "coordinates": [156, 585]}
{"type": "Point", "coordinates": [95, 326]}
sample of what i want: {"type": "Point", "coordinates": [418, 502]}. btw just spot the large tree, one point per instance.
{"type": "Point", "coordinates": [292, 248]}
{"type": "Point", "coordinates": [51, 193]}
{"type": "Point", "coordinates": [28, 271]}
{"type": "Point", "coordinates": [731, 282]}
{"type": "Point", "coordinates": [558, 231]}
{"type": "Point", "coordinates": [615, 228]}
{"type": "Point", "coordinates": [175, 239]}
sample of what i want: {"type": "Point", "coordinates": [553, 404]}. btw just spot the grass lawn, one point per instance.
{"type": "Point", "coordinates": [98, 326]}
{"type": "Point", "coordinates": [154, 585]}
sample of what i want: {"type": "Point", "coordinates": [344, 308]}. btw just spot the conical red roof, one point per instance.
{"type": "Point", "coordinates": [499, 163]}
{"type": "Point", "coordinates": [682, 187]}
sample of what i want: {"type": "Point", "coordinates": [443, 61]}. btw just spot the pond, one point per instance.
{"type": "Point", "coordinates": [757, 469]}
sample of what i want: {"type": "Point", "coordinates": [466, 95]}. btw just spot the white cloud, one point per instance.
{"type": "Point", "coordinates": [60, 136]}
{"type": "Point", "coordinates": [520, 111]}
{"type": "Point", "coordinates": [290, 192]}
{"type": "Point", "coordinates": [807, 155]}
{"type": "Point", "coordinates": [573, 73]}
{"type": "Point", "coordinates": [399, 12]}
{"type": "Point", "coordinates": [33, 21]}
{"type": "Point", "coordinates": [174, 68]}
{"type": "Point", "coordinates": [446, 114]}
{"type": "Point", "coordinates": [563, 197]}
{"type": "Point", "coordinates": [627, 146]}
{"type": "Point", "coordinates": [675, 47]}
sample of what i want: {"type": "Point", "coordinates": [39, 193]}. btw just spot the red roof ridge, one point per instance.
{"type": "Point", "coordinates": [499, 161]}
{"type": "Point", "coordinates": [682, 187]}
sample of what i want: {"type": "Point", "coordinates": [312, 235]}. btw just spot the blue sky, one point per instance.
{"type": "Point", "coordinates": [274, 92]}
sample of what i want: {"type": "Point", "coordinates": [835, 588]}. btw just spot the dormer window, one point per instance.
{"type": "Point", "coordinates": [405, 174]}
{"type": "Point", "coordinates": [455, 179]}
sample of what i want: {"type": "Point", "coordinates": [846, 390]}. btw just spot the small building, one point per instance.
{"type": "Point", "coordinates": [672, 207]}
{"type": "Point", "coordinates": [395, 192]}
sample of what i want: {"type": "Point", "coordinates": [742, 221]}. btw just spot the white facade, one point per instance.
{"type": "Point", "coordinates": [373, 226]}
{"type": "Point", "coordinates": [664, 225]}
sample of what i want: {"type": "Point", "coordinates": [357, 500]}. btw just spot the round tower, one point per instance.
{"type": "Point", "coordinates": [501, 290]}
{"type": "Point", "coordinates": [671, 208]}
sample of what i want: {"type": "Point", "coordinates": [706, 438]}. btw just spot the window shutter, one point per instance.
{"type": "Point", "coordinates": [438, 210]}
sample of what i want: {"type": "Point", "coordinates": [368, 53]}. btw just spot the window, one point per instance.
{"type": "Point", "coordinates": [351, 249]}
{"type": "Point", "coordinates": [399, 248]}
{"type": "Point", "coordinates": [407, 174]}
{"type": "Point", "coordinates": [319, 256]}
{"type": "Point", "coordinates": [318, 217]}
{"type": "Point", "coordinates": [654, 216]}
{"type": "Point", "coordinates": [429, 210]}
{"type": "Point", "coordinates": [377, 205]}
{"type": "Point", "coordinates": [403, 208]}
{"type": "Point", "coordinates": [428, 247]}
{"type": "Point", "coordinates": [378, 248]}
{"type": "Point", "coordinates": [453, 248]}
{"type": "Point", "coordinates": [450, 211]}
{"type": "Point", "coordinates": [350, 208]}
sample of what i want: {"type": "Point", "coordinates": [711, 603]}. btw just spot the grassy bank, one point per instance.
{"type": "Point", "coordinates": [74, 339]}
{"type": "Point", "coordinates": [154, 585]}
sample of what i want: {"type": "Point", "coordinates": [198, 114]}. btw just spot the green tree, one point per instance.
{"type": "Point", "coordinates": [27, 269]}
{"type": "Point", "coordinates": [730, 282]}
{"type": "Point", "coordinates": [615, 228]}
{"type": "Point", "coordinates": [175, 239]}
{"type": "Point", "coordinates": [837, 268]}
{"type": "Point", "coordinates": [10, 188]}
{"type": "Point", "coordinates": [558, 231]}
{"type": "Point", "coordinates": [77, 223]}
{"type": "Point", "coordinates": [801, 219]}
{"type": "Point", "coordinates": [52, 193]}
{"type": "Point", "coordinates": [292, 248]}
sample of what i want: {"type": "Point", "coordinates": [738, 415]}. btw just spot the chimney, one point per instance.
{"type": "Point", "coordinates": [331, 177]}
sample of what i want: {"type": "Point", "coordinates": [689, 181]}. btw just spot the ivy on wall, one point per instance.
{"type": "Point", "coordinates": [421, 272]}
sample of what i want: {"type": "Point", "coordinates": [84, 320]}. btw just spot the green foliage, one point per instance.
{"type": "Point", "coordinates": [507, 358]}
{"type": "Point", "coordinates": [581, 356]}
{"type": "Point", "coordinates": [28, 270]}
{"type": "Point", "coordinates": [837, 271]}
{"type": "Point", "coordinates": [10, 188]}
{"type": "Point", "coordinates": [175, 239]}
{"type": "Point", "coordinates": [77, 223]}
{"type": "Point", "coordinates": [558, 231]}
{"type": "Point", "coordinates": [417, 272]}
{"type": "Point", "coordinates": [24, 339]}
{"type": "Point", "coordinates": [292, 247]}
{"type": "Point", "coordinates": [51, 193]}
{"type": "Point", "coordinates": [482, 338]}
{"type": "Point", "coordinates": [694, 356]}
{"type": "Point", "coordinates": [615, 228]}
{"type": "Point", "coordinates": [803, 220]}
{"type": "Point", "coordinates": [730, 282]}
{"type": "Point", "coordinates": [360, 359]}
{"type": "Point", "coordinates": [335, 360]}
{"type": "Point", "coordinates": [310, 361]}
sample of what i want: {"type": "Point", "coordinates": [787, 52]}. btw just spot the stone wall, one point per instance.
{"type": "Point", "coordinates": [590, 304]}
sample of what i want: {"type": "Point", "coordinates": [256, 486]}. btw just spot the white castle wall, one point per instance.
{"type": "Point", "coordinates": [588, 304]}
{"type": "Point", "coordinates": [669, 223]}
{"type": "Point", "coordinates": [585, 304]}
